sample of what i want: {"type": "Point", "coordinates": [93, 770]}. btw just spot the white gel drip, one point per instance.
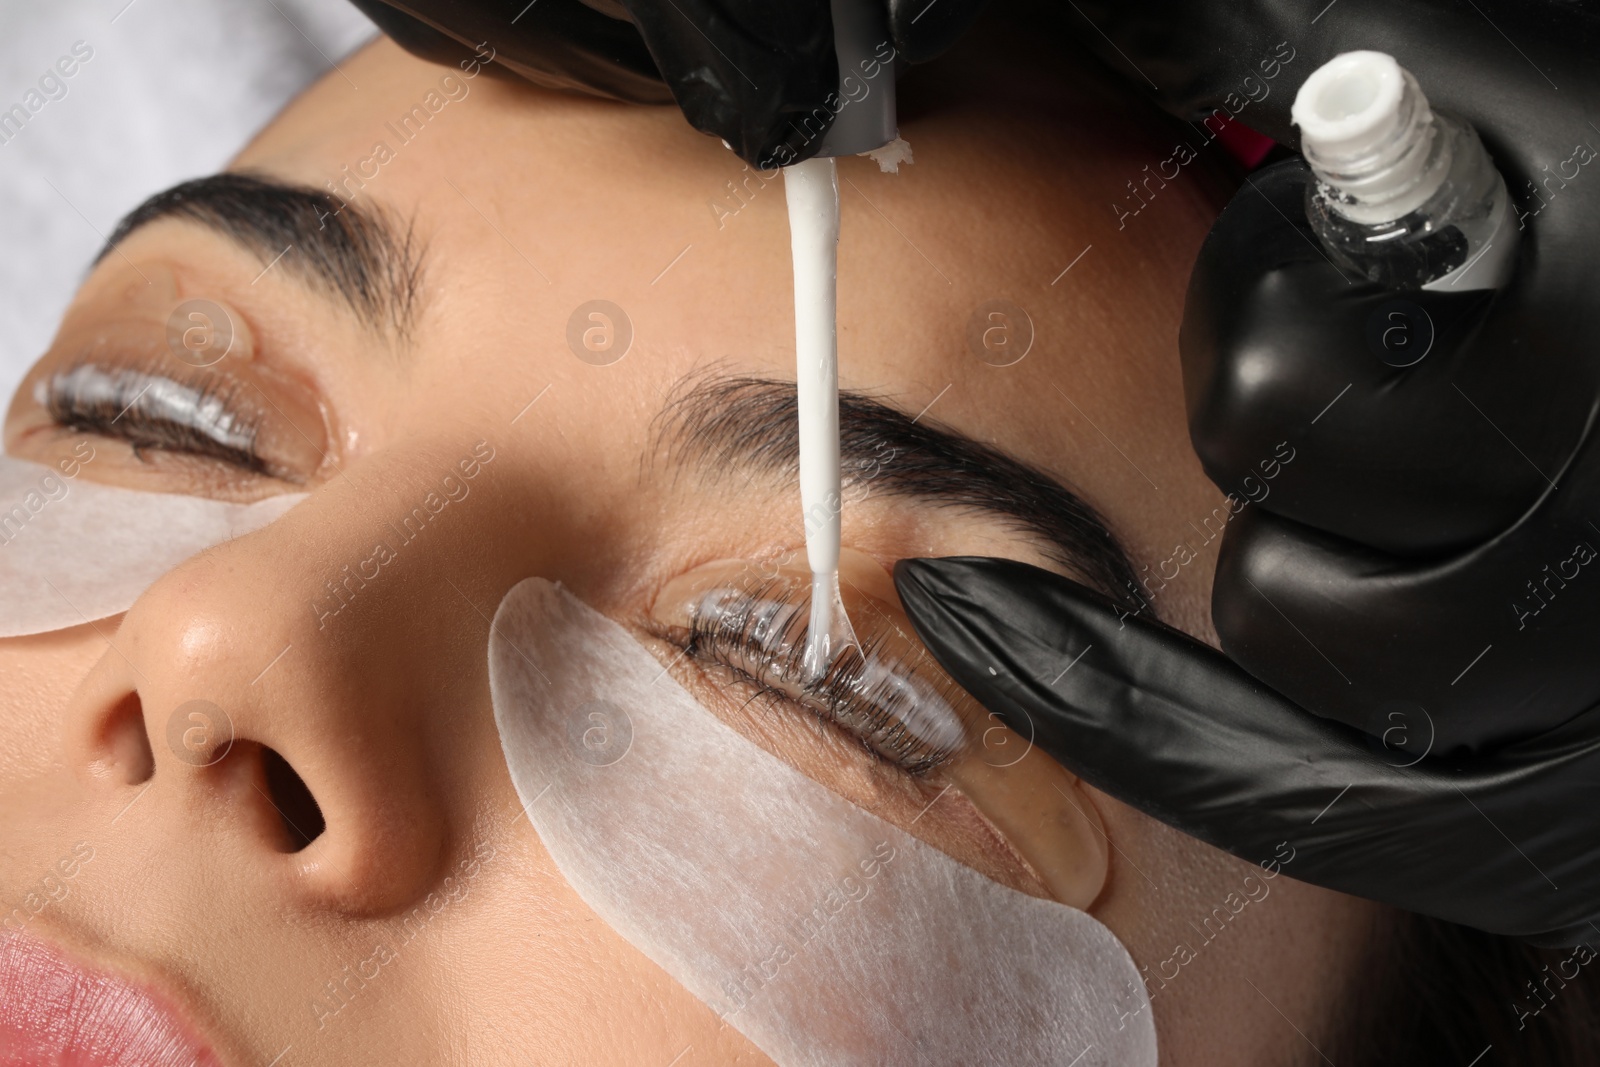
{"type": "Point", "coordinates": [812, 190]}
{"type": "Point", "coordinates": [890, 156]}
{"type": "Point", "coordinates": [74, 551]}
{"type": "Point", "coordinates": [825, 935]}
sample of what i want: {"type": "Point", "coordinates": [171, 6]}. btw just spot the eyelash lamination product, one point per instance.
{"type": "Point", "coordinates": [862, 124]}
{"type": "Point", "coordinates": [201, 415]}
{"type": "Point", "coordinates": [1404, 196]}
{"type": "Point", "coordinates": [827, 936]}
{"type": "Point", "coordinates": [879, 698]}
{"type": "Point", "coordinates": [74, 551]}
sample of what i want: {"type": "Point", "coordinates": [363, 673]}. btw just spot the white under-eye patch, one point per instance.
{"type": "Point", "coordinates": [822, 933]}
{"type": "Point", "coordinates": [74, 551]}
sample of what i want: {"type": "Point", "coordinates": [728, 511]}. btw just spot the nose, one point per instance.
{"type": "Point", "coordinates": [276, 703]}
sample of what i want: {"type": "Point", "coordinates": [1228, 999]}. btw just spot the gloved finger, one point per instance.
{"type": "Point", "coordinates": [1492, 645]}
{"type": "Point", "coordinates": [1398, 409]}
{"type": "Point", "coordinates": [1171, 727]}
{"type": "Point", "coordinates": [923, 29]}
{"type": "Point", "coordinates": [559, 44]}
{"type": "Point", "coordinates": [745, 70]}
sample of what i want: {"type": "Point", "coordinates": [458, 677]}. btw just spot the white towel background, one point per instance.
{"type": "Point", "coordinates": [174, 88]}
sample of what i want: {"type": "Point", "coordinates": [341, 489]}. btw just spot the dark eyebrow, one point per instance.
{"type": "Point", "coordinates": [717, 423]}
{"type": "Point", "coordinates": [356, 252]}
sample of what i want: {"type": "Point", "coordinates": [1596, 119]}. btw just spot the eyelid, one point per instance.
{"type": "Point", "coordinates": [1022, 798]}
{"type": "Point", "coordinates": [194, 414]}
{"type": "Point", "coordinates": [237, 415]}
{"type": "Point", "coordinates": [873, 692]}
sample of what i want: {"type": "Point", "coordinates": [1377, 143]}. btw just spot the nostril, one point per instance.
{"type": "Point", "coordinates": [298, 810]}
{"type": "Point", "coordinates": [127, 743]}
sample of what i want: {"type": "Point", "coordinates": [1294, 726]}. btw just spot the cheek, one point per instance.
{"type": "Point", "coordinates": [41, 672]}
{"type": "Point", "coordinates": [583, 971]}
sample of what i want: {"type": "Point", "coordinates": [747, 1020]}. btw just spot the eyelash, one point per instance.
{"type": "Point", "coordinates": [865, 692]}
{"type": "Point", "coordinates": [123, 411]}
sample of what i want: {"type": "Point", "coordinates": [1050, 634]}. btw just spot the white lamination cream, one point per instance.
{"type": "Point", "coordinates": [812, 188]}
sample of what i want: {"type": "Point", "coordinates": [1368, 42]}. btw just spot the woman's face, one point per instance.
{"type": "Point", "coordinates": [353, 880]}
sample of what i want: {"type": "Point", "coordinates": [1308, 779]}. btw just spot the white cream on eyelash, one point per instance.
{"type": "Point", "coordinates": [825, 935]}
{"type": "Point", "coordinates": [74, 551]}
{"type": "Point", "coordinates": [925, 716]}
{"type": "Point", "coordinates": [160, 399]}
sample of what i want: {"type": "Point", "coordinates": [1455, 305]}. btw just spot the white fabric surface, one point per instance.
{"type": "Point", "coordinates": [172, 90]}
{"type": "Point", "coordinates": [77, 551]}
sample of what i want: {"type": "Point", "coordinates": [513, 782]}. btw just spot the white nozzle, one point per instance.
{"type": "Point", "coordinates": [1366, 129]}
{"type": "Point", "coordinates": [1350, 106]}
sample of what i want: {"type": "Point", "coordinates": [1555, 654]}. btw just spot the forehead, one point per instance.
{"type": "Point", "coordinates": [535, 205]}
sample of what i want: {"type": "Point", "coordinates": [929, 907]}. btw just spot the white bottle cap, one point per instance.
{"type": "Point", "coordinates": [1366, 129]}
{"type": "Point", "coordinates": [1351, 104]}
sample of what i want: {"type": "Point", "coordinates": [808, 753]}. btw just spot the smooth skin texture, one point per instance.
{"type": "Point", "coordinates": [529, 204]}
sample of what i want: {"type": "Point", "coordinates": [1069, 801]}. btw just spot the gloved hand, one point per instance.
{"type": "Point", "coordinates": [747, 71]}
{"type": "Point", "coordinates": [1504, 842]}
{"type": "Point", "coordinates": [1417, 575]}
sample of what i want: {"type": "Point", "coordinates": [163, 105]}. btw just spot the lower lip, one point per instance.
{"type": "Point", "coordinates": [53, 1011]}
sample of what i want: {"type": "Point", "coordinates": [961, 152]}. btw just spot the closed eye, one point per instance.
{"type": "Point", "coordinates": [873, 692]}
{"type": "Point", "coordinates": [203, 415]}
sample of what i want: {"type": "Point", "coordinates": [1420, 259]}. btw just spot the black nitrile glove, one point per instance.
{"type": "Point", "coordinates": [757, 73]}
{"type": "Point", "coordinates": [1417, 573]}
{"type": "Point", "coordinates": [1503, 842]}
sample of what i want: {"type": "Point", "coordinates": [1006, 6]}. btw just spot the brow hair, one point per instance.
{"type": "Point", "coordinates": [716, 423]}
{"type": "Point", "coordinates": [357, 252]}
